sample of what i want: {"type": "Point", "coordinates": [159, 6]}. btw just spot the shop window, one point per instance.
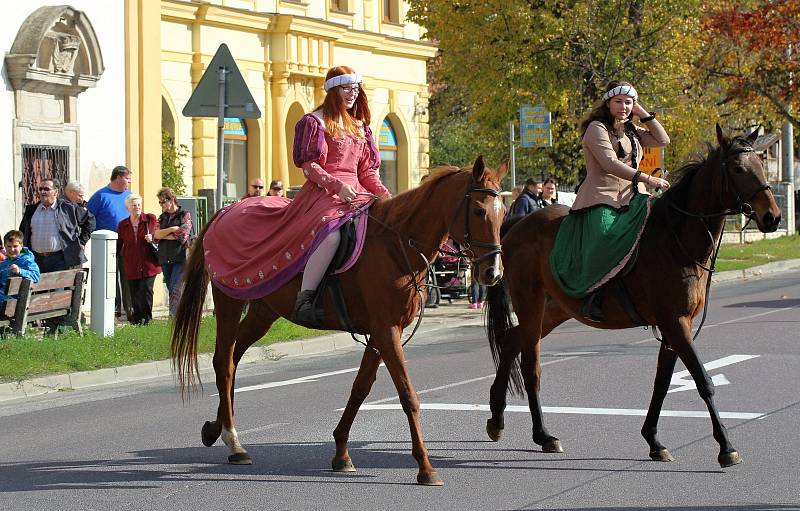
{"type": "Point", "coordinates": [387, 145]}
{"type": "Point", "coordinates": [234, 165]}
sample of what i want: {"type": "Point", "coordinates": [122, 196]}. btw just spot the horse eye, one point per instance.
{"type": "Point", "coordinates": [480, 212]}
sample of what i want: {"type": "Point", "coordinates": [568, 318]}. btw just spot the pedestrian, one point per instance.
{"type": "Point", "coordinates": [275, 188]}
{"type": "Point", "coordinates": [56, 230]}
{"type": "Point", "coordinates": [141, 265]}
{"type": "Point", "coordinates": [108, 206]}
{"type": "Point", "coordinates": [528, 201]}
{"type": "Point", "coordinates": [172, 235]}
{"type": "Point", "coordinates": [549, 193]}
{"type": "Point", "coordinates": [256, 188]}
{"type": "Point", "coordinates": [477, 292]}
{"type": "Point", "coordinates": [611, 206]}
{"type": "Point", "coordinates": [19, 262]}
{"type": "Point", "coordinates": [74, 192]}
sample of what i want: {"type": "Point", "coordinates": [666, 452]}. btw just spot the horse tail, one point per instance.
{"type": "Point", "coordinates": [498, 322]}
{"type": "Point", "coordinates": [186, 328]}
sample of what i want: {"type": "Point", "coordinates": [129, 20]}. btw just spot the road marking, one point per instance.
{"type": "Point", "coordinates": [567, 410]}
{"type": "Point", "coordinates": [304, 379]}
{"type": "Point", "coordinates": [685, 381]}
{"type": "Point", "coordinates": [650, 339]}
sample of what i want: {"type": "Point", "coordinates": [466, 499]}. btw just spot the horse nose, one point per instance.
{"type": "Point", "coordinates": [771, 222]}
{"type": "Point", "coordinates": [491, 276]}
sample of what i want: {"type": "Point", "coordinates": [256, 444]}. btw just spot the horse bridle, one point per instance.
{"type": "Point", "coordinates": [743, 207]}
{"type": "Point", "coordinates": [465, 251]}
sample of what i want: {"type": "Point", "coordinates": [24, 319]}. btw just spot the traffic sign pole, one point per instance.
{"type": "Point", "coordinates": [222, 74]}
{"type": "Point", "coordinates": [513, 155]}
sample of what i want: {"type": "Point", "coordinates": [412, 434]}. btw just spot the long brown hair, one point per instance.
{"type": "Point", "coordinates": [601, 113]}
{"type": "Point", "coordinates": [333, 108]}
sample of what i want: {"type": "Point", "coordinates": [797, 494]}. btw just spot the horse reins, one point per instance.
{"type": "Point", "coordinates": [743, 208]}
{"type": "Point", "coordinates": [417, 246]}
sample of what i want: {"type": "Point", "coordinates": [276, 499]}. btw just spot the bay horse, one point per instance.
{"type": "Point", "coordinates": [381, 291]}
{"type": "Point", "coordinates": [667, 286]}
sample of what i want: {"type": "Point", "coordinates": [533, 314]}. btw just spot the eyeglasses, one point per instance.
{"type": "Point", "coordinates": [348, 90]}
{"type": "Point", "coordinates": [44, 189]}
{"type": "Point", "coordinates": [258, 187]}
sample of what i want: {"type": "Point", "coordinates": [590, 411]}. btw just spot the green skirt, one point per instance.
{"type": "Point", "coordinates": [593, 245]}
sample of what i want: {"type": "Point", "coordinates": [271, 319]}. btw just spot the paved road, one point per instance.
{"type": "Point", "coordinates": [136, 446]}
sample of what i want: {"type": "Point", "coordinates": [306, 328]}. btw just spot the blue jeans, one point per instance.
{"type": "Point", "coordinates": [172, 276]}
{"type": "Point", "coordinates": [476, 292]}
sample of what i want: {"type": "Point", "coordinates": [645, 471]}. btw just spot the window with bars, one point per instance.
{"type": "Point", "coordinates": [40, 162]}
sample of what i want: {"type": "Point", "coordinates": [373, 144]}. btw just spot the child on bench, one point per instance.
{"type": "Point", "coordinates": [19, 262]}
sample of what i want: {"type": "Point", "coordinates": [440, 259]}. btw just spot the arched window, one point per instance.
{"type": "Point", "coordinates": [387, 145]}
{"type": "Point", "coordinates": [234, 166]}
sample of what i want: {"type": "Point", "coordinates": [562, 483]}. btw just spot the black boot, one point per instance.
{"type": "Point", "coordinates": [591, 307]}
{"type": "Point", "coordinates": [304, 313]}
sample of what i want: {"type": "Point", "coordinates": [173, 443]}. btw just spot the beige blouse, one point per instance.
{"type": "Point", "coordinates": [608, 178]}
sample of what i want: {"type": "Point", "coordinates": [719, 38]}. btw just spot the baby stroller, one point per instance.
{"type": "Point", "coordinates": [450, 273]}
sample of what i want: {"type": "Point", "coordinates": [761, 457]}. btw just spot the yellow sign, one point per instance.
{"type": "Point", "coordinates": [653, 159]}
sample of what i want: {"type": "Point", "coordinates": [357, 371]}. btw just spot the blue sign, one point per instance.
{"type": "Point", "coordinates": [534, 126]}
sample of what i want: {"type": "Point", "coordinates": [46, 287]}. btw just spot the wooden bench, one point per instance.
{"type": "Point", "coordinates": [58, 294]}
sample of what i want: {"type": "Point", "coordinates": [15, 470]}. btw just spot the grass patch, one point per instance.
{"type": "Point", "coordinates": [30, 356]}
{"type": "Point", "coordinates": [739, 257]}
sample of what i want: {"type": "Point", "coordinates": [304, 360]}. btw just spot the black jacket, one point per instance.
{"type": "Point", "coordinates": [75, 225]}
{"type": "Point", "coordinates": [525, 204]}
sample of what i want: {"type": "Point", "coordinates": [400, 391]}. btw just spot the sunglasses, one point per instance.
{"type": "Point", "coordinates": [259, 187]}
{"type": "Point", "coordinates": [44, 189]}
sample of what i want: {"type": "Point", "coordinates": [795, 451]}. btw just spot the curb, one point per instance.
{"type": "Point", "coordinates": [340, 342]}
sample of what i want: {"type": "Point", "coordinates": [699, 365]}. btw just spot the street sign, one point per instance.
{"type": "Point", "coordinates": [534, 126]}
{"type": "Point", "coordinates": [221, 93]}
{"type": "Point", "coordinates": [652, 160]}
{"type": "Point", "coordinates": [204, 101]}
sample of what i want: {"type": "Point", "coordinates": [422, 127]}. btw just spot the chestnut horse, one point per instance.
{"type": "Point", "coordinates": [667, 286]}
{"type": "Point", "coordinates": [381, 291]}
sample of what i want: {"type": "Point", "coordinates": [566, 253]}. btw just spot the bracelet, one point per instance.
{"type": "Point", "coordinates": [648, 118]}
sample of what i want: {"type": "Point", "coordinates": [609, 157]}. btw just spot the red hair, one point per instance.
{"type": "Point", "coordinates": [334, 108]}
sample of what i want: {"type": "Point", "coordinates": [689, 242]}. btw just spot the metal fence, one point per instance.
{"type": "Point", "coordinates": [734, 223]}
{"type": "Point", "coordinates": [40, 162]}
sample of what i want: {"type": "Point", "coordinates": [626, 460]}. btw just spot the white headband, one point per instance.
{"type": "Point", "coordinates": [627, 90]}
{"type": "Point", "coordinates": [342, 80]}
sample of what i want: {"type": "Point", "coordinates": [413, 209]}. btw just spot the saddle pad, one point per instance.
{"type": "Point", "coordinates": [593, 245]}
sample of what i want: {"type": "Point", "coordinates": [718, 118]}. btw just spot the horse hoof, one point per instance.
{"type": "Point", "coordinates": [493, 431]}
{"type": "Point", "coordinates": [729, 459]}
{"type": "Point", "coordinates": [661, 455]}
{"type": "Point", "coordinates": [240, 458]}
{"type": "Point", "coordinates": [429, 479]}
{"type": "Point", "coordinates": [210, 433]}
{"type": "Point", "coordinates": [552, 445]}
{"type": "Point", "coordinates": [342, 465]}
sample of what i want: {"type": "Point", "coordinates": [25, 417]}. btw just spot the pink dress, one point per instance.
{"type": "Point", "coordinates": [258, 244]}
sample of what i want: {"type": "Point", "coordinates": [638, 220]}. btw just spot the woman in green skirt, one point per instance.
{"type": "Point", "coordinates": [606, 220]}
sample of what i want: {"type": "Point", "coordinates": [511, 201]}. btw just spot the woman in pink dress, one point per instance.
{"type": "Point", "coordinates": [277, 238]}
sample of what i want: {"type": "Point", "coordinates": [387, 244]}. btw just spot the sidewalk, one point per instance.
{"type": "Point", "coordinates": [444, 316]}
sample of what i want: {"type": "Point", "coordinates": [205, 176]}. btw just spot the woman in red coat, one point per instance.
{"type": "Point", "coordinates": [141, 265]}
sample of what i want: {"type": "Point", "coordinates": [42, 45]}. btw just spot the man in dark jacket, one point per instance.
{"type": "Point", "coordinates": [56, 230]}
{"type": "Point", "coordinates": [529, 200]}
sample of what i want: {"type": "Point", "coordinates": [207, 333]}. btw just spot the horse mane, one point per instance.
{"type": "Point", "coordinates": [399, 210]}
{"type": "Point", "coordinates": [678, 193]}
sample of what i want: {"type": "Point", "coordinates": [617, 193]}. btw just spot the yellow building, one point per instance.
{"type": "Point", "coordinates": [283, 49]}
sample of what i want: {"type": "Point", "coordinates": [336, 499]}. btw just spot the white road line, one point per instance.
{"type": "Point", "coordinates": [303, 379]}
{"type": "Point", "coordinates": [458, 383]}
{"type": "Point", "coordinates": [736, 320]}
{"type": "Point", "coordinates": [685, 381]}
{"type": "Point", "coordinates": [567, 410]}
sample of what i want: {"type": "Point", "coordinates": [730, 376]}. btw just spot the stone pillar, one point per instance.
{"type": "Point", "coordinates": [280, 88]}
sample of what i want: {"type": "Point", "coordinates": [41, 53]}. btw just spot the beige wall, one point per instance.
{"type": "Point", "coordinates": [283, 58]}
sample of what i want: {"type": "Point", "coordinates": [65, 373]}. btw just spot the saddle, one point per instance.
{"type": "Point", "coordinates": [592, 303]}
{"type": "Point", "coordinates": [331, 282]}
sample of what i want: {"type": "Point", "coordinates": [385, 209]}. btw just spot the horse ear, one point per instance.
{"type": "Point", "coordinates": [502, 170]}
{"type": "Point", "coordinates": [721, 138]}
{"type": "Point", "coordinates": [478, 168]}
{"type": "Point", "coordinates": [754, 134]}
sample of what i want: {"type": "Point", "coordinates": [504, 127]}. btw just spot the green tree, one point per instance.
{"type": "Point", "coordinates": [171, 165]}
{"type": "Point", "coordinates": [498, 54]}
